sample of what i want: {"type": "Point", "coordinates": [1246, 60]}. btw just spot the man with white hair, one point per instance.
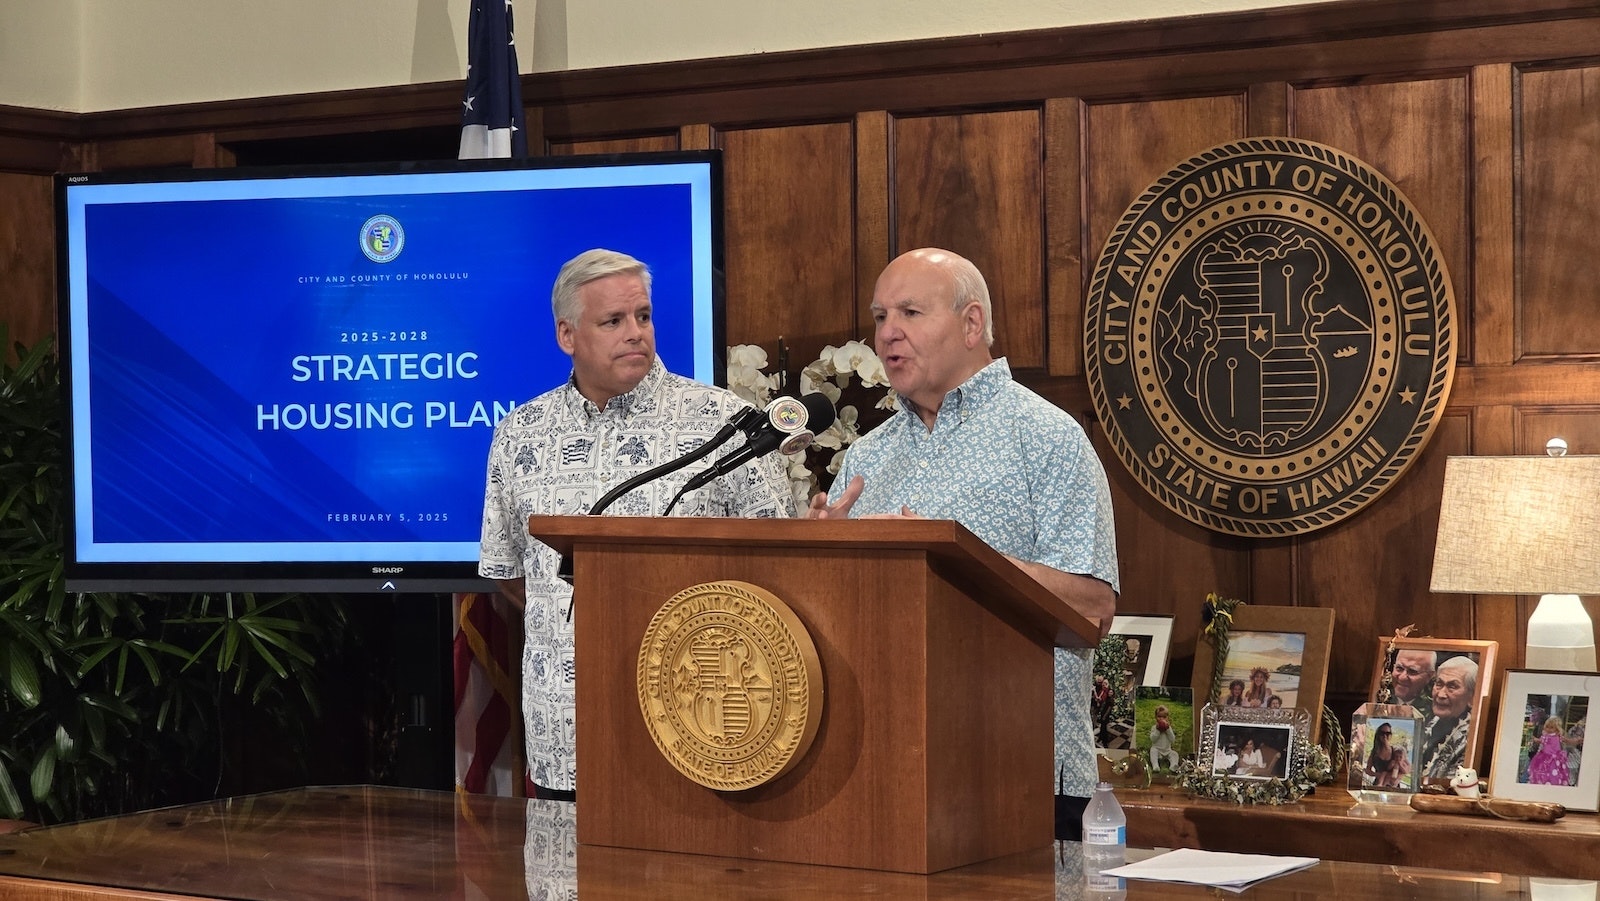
{"type": "Point", "coordinates": [620, 413]}
{"type": "Point", "coordinates": [1455, 684]}
{"type": "Point", "coordinates": [972, 445]}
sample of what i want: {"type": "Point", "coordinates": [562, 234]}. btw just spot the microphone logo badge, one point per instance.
{"type": "Point", "coordinates": [730, 685]}
{"type": "Point", "coordinates": [788, 414]}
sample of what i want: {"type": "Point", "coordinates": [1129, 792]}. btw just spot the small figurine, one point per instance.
{"type": "Point", "coordinates": [1465, 782]}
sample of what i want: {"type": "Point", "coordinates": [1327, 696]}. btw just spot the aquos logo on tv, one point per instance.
{"type": "Point", "coordinates": [1269, 337]}
{"type": "Point", "coordinates": [382, 238]}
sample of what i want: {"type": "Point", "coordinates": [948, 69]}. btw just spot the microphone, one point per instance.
{"type": "Point", "coordinates": [789, 426]}
{"type": "Point", "coordinates": [777, 420]}
{"type": "Point", "coordinates": [745, 420]}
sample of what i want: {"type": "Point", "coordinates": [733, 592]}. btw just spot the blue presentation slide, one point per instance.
{"type": "Point", "coordinates": [318, 377]}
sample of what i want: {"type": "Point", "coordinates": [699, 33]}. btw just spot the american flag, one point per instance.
{"type": "Point", "coordinates": [486, 643]}
{"type": "Point", "coordinates": [492, 123]}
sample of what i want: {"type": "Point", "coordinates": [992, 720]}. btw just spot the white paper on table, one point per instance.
{"type": "Point", "coordinates": [1217, 868]}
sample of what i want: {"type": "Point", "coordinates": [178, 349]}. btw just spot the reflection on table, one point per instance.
{"type": "Point", "coordinates": [372, 842]}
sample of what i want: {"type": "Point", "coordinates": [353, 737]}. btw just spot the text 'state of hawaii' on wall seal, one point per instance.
{"type": "Point", "coordinates": [1269, 337]}
{"type": "Point", "coordinates": [730, 685]}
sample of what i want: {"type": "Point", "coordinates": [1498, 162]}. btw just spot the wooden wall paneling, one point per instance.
{"type": "Point", "coordinates": [27, 257]}
{"type": "Point", "coordinates": [873, 213]}
{"type": "Point", "coordinates": [640, 144]}
{"type": "Point", "coordinates": [1267, 109]}
{"type": "Point", "coordinates": [787, 196]}
{"type": "Point", "coordinates": [35, 141]}
{"type": "Point", "coordinates": [1417, 134]}
{"type": "Point", "coordinates": [972, 183]}
{"type": "Point", "coordinates": [1166, 560]}
{"type": "Point", "coordinates": [1558, 203]}
{"type": "Point", "coordinates": [1493, 276]}
{"type": "Point", "coordinates": [1128, 146]}
{"type": "Point", "coordinates": [166, 151]}
{"type": "Point", "coordinates": [1373, 568]}
{"type": "Point", "coordinates": [699, 136]}
{"type": "Point", "coordinates": [1066, 272]}
{"type": "Point", "coordinates": [1168, 564]}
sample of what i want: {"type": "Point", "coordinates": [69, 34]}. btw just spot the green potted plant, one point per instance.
{"type": "Point", "coordinates": [112, 702]}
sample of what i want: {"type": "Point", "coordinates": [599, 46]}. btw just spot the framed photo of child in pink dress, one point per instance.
{"type": "Point", "coordinates": [1540, 749]}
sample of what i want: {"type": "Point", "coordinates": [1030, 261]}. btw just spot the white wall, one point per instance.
{"type": "Point", "coordinates": [90, 55]}
{"type": "Point", "coordinates": [40, 60]}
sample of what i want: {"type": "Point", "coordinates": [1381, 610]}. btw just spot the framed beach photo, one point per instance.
{"type": "Point", "coordinates": [1277, 658]}
{"type": "Point", "coordinates": [1448, 681]}
{"type": "Point", "coordinates": [1252, 743]}
{"type": "Point", "coordinates": [1383, 753]}
{"type": "Point", "coordinates": [1540, 753]}
{"type": "Point", "coordinates": [1134, 654]}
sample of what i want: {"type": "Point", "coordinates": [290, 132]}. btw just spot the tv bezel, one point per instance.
{"type": "Point", "coordinates": [339, 577]}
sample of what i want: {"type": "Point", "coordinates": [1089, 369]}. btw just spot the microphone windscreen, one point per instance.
{"type": "Point", "coordinates": [820, 412]}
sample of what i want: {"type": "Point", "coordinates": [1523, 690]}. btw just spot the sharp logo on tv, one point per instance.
{"type": "Point", "coordinates": [304, 416]}
{"type": "Point", "coordinates": [382, 238]}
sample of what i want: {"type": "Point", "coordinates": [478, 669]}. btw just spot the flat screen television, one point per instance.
{"type": "Point", "coordinates": [287, 379]}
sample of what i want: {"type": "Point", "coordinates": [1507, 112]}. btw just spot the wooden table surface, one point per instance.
{"type": "Point", "coordinates": [1165, 818]}
{"type": "Point", "coordinates": [372, 842]}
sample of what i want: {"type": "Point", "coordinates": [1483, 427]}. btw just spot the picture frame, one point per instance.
{"type": "Point", "coordinates": [1253, 744]}
{"type": "Point", "coordinates": [1152, 635]}
{"type": "Point", "coordinates": [1397, 678]}
{"type": "Point", "coordinates": [1163, 728]}
{"type": "Point", "coordinates": [1133, 654]}
{"type": "Point", "coordinates": [1383, 745]}
{"type": "Point", "coordinates": [1530, 764]}
{"type": "Point", "coordinates": [1292, 644]}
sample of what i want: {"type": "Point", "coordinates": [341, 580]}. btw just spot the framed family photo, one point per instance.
{"type": "Point", "coordinates": [1383, 752]}
{"type": "Point", "coordinates": [1540, 753]}
{"type": "Point", "coordinates": [1164, 728]}
{"type": "Point", "coordinates": [1449, 682]}
{"type": "Point", "coordinates": [1253, 743]}
{"type": "Point", "coordinates": [1134, 654]}
{"type": "Point", "coordinates": [1277, 659]}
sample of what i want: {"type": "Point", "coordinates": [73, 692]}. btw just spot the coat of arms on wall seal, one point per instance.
{"type": "Point", "coordinates": [730, 685]}
{"type": "Point", "coordinates": [1269, 337]}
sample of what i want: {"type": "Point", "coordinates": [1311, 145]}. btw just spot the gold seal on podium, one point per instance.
{"type": "Point", "coordinates": [730, 685]}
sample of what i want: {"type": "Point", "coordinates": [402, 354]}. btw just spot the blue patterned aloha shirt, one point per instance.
{"type": "Point", "coordinates": [558, 454]}
{"type": "Point", "coordinates": [1021, 474]}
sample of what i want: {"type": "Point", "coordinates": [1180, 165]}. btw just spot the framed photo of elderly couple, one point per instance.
{"type": "Point", "coordinates": [1449, 683]}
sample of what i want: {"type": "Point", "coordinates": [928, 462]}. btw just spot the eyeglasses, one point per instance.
{"type": "Point", "coordinates": [1412, 671]}
{"type": "Point", "coordinates": [1452, 685]}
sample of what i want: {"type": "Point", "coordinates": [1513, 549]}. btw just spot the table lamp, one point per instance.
{"type": "Point", "coordinates": [1526, 525]}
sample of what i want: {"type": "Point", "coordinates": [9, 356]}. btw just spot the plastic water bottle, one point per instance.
{"type": "Point", "coordinates": [1105, 829]}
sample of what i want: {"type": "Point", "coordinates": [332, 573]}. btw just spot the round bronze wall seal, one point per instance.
{"type": "Point", "coordinates": [1269, 337]}
{"type": "Point", "coordinates": [730, 685]}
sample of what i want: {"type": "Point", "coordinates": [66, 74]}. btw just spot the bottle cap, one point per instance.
{"type": "Point", "coordinates": [1103, 787]}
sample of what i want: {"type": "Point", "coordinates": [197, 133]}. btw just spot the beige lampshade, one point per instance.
{"type": "Point", "coordinates": [1519, 525]}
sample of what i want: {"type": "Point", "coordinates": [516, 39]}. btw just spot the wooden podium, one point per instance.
{"type": "Point", "coordinates": [935, 747]}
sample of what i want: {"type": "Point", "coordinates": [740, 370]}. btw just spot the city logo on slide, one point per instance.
{"type": "Point", "coordinates": [382, 238]}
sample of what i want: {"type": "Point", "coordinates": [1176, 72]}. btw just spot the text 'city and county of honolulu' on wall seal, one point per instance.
{"type": "Point", "coordinates": [1269, 337]}
{"type": "Point", "coordinates": [730, 685]}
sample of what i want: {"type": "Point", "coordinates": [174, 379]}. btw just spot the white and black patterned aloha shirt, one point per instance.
{"type": "Point", "coordinates": [1020, 473]}
{"type": "Point", "coordinates": [558, 454]}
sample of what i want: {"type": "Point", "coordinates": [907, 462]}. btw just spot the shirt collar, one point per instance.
{"type": "Point", "coordinates": [969, 396]}
{"type": "Point", "coordinates": [642, 399]}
